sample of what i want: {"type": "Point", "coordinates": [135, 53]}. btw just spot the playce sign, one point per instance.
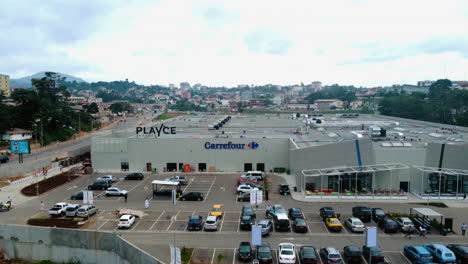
{"type": "Point", "coordinates": [155, 132]}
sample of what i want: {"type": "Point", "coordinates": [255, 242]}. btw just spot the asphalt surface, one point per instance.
{"type": "Point", "coordinates": [165, 222]}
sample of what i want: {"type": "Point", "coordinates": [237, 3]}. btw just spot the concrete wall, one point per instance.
{"type": "Point", "coordinates": [63, 245]}
{"type": "Point", "coordinates": [273, 152]}
{"type": "Point", "coordinates": [455, 156]}
{"type": "Point", "coordinates": [330, 155]}
{"type": "Point", "coordinates": [15, 169]}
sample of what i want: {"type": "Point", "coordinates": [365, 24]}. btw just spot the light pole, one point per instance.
{"type": "Point", "coordinates": [35, 134]}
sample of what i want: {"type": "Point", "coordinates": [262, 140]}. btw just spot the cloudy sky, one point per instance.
{"type": "Point", "coordinates": [214, 42]}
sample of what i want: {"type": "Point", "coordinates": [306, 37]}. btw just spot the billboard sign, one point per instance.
{"type": "Point", "coordinates": [20, 147]}
{"type": "Point", "coordinates": [256, 235]}
{"type": "Point", "coordinates": [371, 236]}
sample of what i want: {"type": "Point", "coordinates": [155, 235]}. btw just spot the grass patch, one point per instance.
{"type": "Point", "coordinates": [186, 255]}
{"type": "Point", "coordinates": [220, 258]}
{"type": "Point", "coordinates": [395, 214]}
{"type": "Point", "coordinates": [166, 116]}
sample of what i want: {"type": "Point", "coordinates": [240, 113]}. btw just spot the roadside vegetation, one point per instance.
{"type": "Point", "coordinates": [166, 116]}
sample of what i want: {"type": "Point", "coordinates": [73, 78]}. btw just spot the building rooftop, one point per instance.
{"type": "Point", "coordinates": [306, 133]}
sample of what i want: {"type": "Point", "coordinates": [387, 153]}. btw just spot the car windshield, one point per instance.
{"type": "Point", "coordinates": [300, 222]}
{"type": "Point", "coordinates": [216, 209]}
{"type": "Point", "coordinates": [425, 255]}
{"type": "Point", "coordinates": [449, 255]}
{"type": "Point", "coordinates": [308, 252]}
{"type": "Point", "coordinates": [287, 252]}
{"type": "Point", "coordinates": [379, 212]}
{"type": "Point", "coordinates": [334, 256]}
{"type": "Point", "coordinates": [376, 252]}
{"type": "Point", "coordinates": [407, 223]}
{"type": "Point", "coordinates": [357, 223]}
{"type": "Point", "coordinates": [335, 222]}
{"type": "Point", "coordinates": [210, 222]}
{"type": "Point", "coordinates": [194, 219]}
{"type": "Point", "coordinates": [244, 249]}
{"type": "Point", "coordinates": [124, 220]}
{"type": "Point", "coordinates": [354, 252]}
{"type": "Point", "coordinates": [81, 210]}
{"type": "Point", "coordinates": [263, 250]}
{"type": "Point", "coordinates": [70, 208]}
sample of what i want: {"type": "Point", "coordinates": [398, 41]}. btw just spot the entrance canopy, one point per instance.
{"type": "Point", "coordinates": [356, 169]}
{"type": "Point", "coordinates": [165, 188]}
{"type": "Point", "coordinates": [440, 183]}
{"type": "Point", "coordinates": [426, 212]}
{"type": "Point", "coordinates": [442, 170]}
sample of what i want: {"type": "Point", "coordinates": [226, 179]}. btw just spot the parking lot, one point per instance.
{"type": "Point", "coordinates": [162, 218]}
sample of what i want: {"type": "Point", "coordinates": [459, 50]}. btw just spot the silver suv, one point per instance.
{"type": "Point", "coordinates": [211, 223]}
{"type": "Point", "coordinates": [330, 255]}
{"type": "Point", "coordinates": [86, 211]}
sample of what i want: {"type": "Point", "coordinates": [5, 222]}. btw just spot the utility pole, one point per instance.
{"type": "Point", "coordinates": [42, 135]}
{"type": "Point", "coordinates": [79, 123]}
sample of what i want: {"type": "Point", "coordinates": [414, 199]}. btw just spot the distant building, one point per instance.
{"type": "Point", "coordinates": [172, 86]}
{"type": "Point", "coordinates": [407, 88]}
{"type": "Point", "coordinates": [186, 95]}
{"type": "Point", "coordinates": [277, 100]}
{"type": "Point", "coordinates": [77, 99]}
{"type": "Point", "coordinates": [317, 86]}
{"type": "Point", "coordinates": [326, 104]}
{"type": "Point", "coordinates": [5, 85]}
{"type": "Point", "coordinates": [95, 100]}
{"type": "Point", "coordinates": [17, 134]}
{"type": "Point", "coordinates": [246, 96]}
{"type": "Point", "coordinates": [298, 106]}
{"type": "Point", "coordinates": [425, 83]}
{"type": "Point", "coordinates": [256, 102]}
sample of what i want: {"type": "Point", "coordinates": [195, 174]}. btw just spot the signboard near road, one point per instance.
{"type": "Point", "coordinates": [256, 235]}
{"type": "Point", "coordinates": [19, 147]}
{"type": "Point", "coordinates": [371, 236]}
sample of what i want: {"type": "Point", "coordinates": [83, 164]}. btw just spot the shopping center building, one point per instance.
{"type": "Point", "coordinates": [324, 156]}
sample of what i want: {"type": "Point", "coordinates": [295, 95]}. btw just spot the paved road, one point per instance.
{"type": "Point", "coordinates": [54, 149]}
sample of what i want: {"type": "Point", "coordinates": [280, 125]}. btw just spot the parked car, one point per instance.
{"type": "Point", "coordinates": [388, 225]}
{"type": "Point", "coordinates": [333, 224]}
{"type": "Point", "coordinates": [134, 176]}
{"type": "Point", "coordinates": [355, 224]}
{"type": "Point", "coordinates": [107, 178]}
{"type": "Point", "coordinates": [327, 212]}
{"type": "Point", "coordinates": [77, 196]}
{"type": "Point", "coordinates": [247, 179]}
{"type": "Point", "coordinates": [86, 211]}
{"type": "Point", "coordinates": [126, 221]}
{"type": "Point", "coordinates": [352, 254]}
{"type": "Point", "coordinates": [417, 254]}
{"type": "Point", "coordinates": [460, 251]}
{"type": "Point", "coordinates": [245, 252]}
{"type": "Point", "coordinates": [114, 191]}
{"type": "Point", "coordinates": [246, 222]}
{"type": "Point", "coordinates": [307, 255]}
{"type": "Point", "coordinates": [404, 223]}
{"type": "Point", "coordinates": [295, 213]}
{"type": "Point", "coordinates": [377, 214]}
{"type": "Point", "coordinates": [286, 253]}
{"type": "Point", "coordinates": [281, 222]}
{"type": "Point", "coordinates": [362, 212]}
{"type": "Point", "coordinates": [244, 197]}
{"type": "Point", "coordinates": [330, 255]}
{"type": "Point", "coordinates": [99, 185]}
{"type": "Point", "coordinates": [266, 225]}
{"type": "Point", "coordinates": [58, 209]}
{"type": "Point", "coordinates": [192, 196]}
{"type": "Point", "coordinates": [178, 178]}
{"type": "Point", "coordinates": [284, 189]}
{"type": "Point", "coordinates": [4, 159]}
{"type": "Point", "coordinates": [244, 188]}
{"type": "Point", "coordinates": [253, 185]}
{"type": "Point", "coordinates": [274, 210]}
{"type": "Point", "coordinates": [264, 254]}
{"type": "Point", "coordinates": [254, 174]}
{"type": "Point", "coordinates": [71, 209]}
{"type": "Point", "coordinates": [248, 210]}
{"type": "Point", "coordinates": [211, 223]}
{"type": "Point", "coordinates": [217, 210]}
{"type": "Point", "coordinates": [373, 253]}
{"type": "Point", "coordinates": [300, 225]}
{"type": "Point", "coordinates": [440, 253]}
{"type": "Point", "coordinates": [195, 222]}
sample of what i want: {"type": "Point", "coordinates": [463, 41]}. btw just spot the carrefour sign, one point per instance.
{"type": "Point", "coordinates": [230, 145]}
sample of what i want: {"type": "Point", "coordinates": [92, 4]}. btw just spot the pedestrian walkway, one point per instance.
{"type": "Point", "coordinates": [14, 190]}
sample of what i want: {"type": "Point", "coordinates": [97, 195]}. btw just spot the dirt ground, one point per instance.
{"type": "Point", "coordinates": [48, 184]}
{"type": "Point", "coordinates": [6, 180]}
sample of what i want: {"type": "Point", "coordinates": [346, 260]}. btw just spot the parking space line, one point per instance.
{"type": "Point", "coordinates": [209, 190]}
{"type": "Point", "coordinates": [234, 257]}
{"type": "Point", "coordinates": [344, 228]}
{"type": "Point", "coordinates": [277, 259]}
{"type": "Point", "coordinates": [102, 224]}
{"type": "Point", "coordinates": [308, 227]}
{"type": "Point", "coordinates": [133, 227]}
{"type": "Point", "coordinates": [323, 223]}
{"type": "Point", "coordinates": [157, 220]}
{"type": "Point", "coordinates": [190, 183]}
{"type": "Point", "coordinates": [222, 222]}
{"type": "Point", "coordinates": [173, 220]}
{"type": "Point", "coordinates": [238, 222]}
{"type": "Point", "coordinates": [212, 258]}
{"type": "Point", "coordinates": [409, 261]}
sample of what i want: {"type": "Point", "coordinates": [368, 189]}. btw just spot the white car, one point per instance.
{"type": "Point", "coordinates": [404, 223]}
{"type": "Point", "coordinates": [107, 177]}
{"type": "Point", "coordinates": [355, 224]}
{"type": "Point", "coordinates": [114, 191]}
{"type": "Point", "coordinates": [126, 221]}
{"type": "Point", "coordinates": [211, 223]}
{"type": "Point", "coordinates": [244, 188]}
{"type": "Point", "coordinates": [286, 253]}
{"type": "Point", "coordinates": [177, 178]}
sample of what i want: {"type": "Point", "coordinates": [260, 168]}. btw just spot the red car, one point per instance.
{"type": "Point", "coordinates": [246, 179]}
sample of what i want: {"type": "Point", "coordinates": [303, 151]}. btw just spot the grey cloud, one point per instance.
{"type": "Point", "coordinates": [264, 41]}
{"type": "Point", "coordinates": [214, 15]}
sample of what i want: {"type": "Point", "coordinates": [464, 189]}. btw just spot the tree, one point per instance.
{"type": "Point", "coordinates": [92, 108]}
{"type": "Point", "coordinates": [120, 107]}
{"type": "Point", "coordinates": [440, 88]}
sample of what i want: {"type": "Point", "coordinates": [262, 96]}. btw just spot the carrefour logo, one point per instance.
{"type": "Point", "coordinates": [253, 145]}
{"type": "Point", "coordinates": [230, 145]}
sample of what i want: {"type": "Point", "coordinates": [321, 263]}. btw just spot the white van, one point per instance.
{"type": "Point", "coordinates": [254, 174]}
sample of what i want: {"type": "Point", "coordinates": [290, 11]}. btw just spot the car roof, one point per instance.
{"type": "Point", "coordinates": [438, 246]}
{"type": "Point", "coordinates": [263, 221]}
{"type": "Point", "coordinates": [355, 219]}
{"type": "Point", "coordinates": [354, 248]}
{"type": "Point", "coordinates": [333, 219]}
{"type": "Point", "coordinates": [332, 250]}
{"type": "Point", "coordinates": [217, 206]}
{"type": "Point", "coordinates": [421, 249]}
{"type": "Point", "coordinates": [194, 217]}
{"type": "Point", "coordinates": [211, 217]}
{"type": "Point", "coordinates": [286, 246]}
{"type": "Point", "coordinates": [125, 216]}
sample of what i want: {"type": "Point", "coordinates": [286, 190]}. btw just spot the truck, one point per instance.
{"type": "Point", "coordinates": [59, 209]}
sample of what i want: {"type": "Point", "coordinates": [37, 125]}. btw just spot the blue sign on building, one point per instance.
{"type": "Point", "coordinates": [19, 147]}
